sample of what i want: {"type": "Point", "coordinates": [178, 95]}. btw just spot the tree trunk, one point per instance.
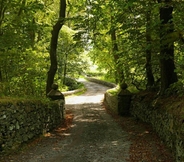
{"type": "Point", "coordinates": [1, 77]}
{"type": "Point", "coordinates": [53, 46]}
{"type": "Point", "coordinates": [168, 74]}
{"type": "Point", "coordinates": [119, 71]}
{"type": "Point", "coordinates": [2, 11]}
{"type": "Point", "coordinates": [65, 68]}
{"type": "Point", "coordinates": [149, 73]}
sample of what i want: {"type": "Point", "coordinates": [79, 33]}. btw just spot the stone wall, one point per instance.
{"type": "Point", "coordinates": [21, 121]}
{"type": "Point", "coordinates": [165, 115]}
{"type": "Point", "coordinates": [111, 101]}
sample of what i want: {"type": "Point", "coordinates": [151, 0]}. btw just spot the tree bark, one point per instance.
{"type": "Point", "coordinates": [3, 8]}
{"type": "Point", "coordinates": [119, 72]}
{"type": "Point", "coordinates": [2, 13]}
{"type": "Point", "coordinates": [53, 46]}
{"type": "Point", "coordinates": [149, 73]}
{"type": "Point", "coordinates": [168, 74]}
{"type": "Point", "coordinates": [65, 68]}
{"type": "Point", "coordinates": [1, 77]}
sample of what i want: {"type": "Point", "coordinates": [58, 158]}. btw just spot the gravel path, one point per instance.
{"type": "Point", "coordinates": [95, 136]}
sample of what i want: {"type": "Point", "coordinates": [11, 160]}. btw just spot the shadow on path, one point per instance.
{"type": "Point", "coordinates": [92, 135]}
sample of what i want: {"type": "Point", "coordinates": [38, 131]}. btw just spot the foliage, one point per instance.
{"type": "Point", "coordinates": [114, 91]}
{"type": "Point", "coordinates": [128, 19]}
{"type": "Point", "coordinates": [25, 31]}
{"type": "Point", "coordinates": [72, 84]}
{"type": "Point", "coordinates": [176, 89]}
{"type": "Point", "coordinates": [113, 34]}
{"type": "Point", "coordinates": [72, 61]}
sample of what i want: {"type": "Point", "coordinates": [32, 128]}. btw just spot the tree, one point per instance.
{"type": "Point", "coordinates": [167, 66]}
{"type": "Point", "coordinates": [71, 57]}
{"type": "Point", "coordinates": [53, 45]}
{"type": "Point", "coordinates": [24, 28]}
{"type": "Point", "coordinates": [126, 39]}
{"type": "Point", "coordinates": [119, 77]}
{"type": "Point", "coordinates": [149, 73]}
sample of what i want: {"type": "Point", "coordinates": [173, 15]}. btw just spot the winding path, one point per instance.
{"type": "Point", "coordinates": [94, 136]}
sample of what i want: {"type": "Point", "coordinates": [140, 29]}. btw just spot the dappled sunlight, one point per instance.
{"type": "Point", "coordinates": [66, 134]}
{"type": "Point", "coordinates": [94, 94]}
{"type": "Point", "coordinates": [47, 134]}
{"type": "Point", "coordinates": [91, 121]}
{"type": "Point", "coordinates": [87, 120]}
{"type": "Point", "coordinates": [63, 129]}
{"type": "Point", "coordinates": [85, 99]}
{"type": "Point", "coordinates": [91, 115]}
{"type": "Point", "coordinates": [87, 133]}
{"type": "Point", "coordinates": [114, 143]}
{"type": "Point", "coordinates": [97, 109]}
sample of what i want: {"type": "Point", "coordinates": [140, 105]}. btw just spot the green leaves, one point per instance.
{"type": "Point", "coordinates": [24, 46]}
{"type": "Point", "coordinates": [25, 31]}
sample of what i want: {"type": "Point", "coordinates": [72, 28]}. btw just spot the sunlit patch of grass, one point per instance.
{"type": "Point", "coordinates": [133, 89]}
{"type": "Point", "coordinates": [114, 91]}
{"type": "Point", "coordinates": [107, 79]}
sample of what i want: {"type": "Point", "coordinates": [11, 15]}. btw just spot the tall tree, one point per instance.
{"type": "Point", "coordinates": [2, 12]}
{"type": "Point", "coordinates": [53, 45]}
{"type": "Point", "coordinates": [119, 74]}
{"type": "Point", "coordinates": [149, 73]}
{"type": "Point", "coordinates": [168, 74]}
{"type": "Point", "coordinates": [118, 69]}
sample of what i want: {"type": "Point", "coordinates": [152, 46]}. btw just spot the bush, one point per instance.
{"type": "Point", "coordinates": [72, 84]}
{"type": "Point", "coordinates": [94, 74]}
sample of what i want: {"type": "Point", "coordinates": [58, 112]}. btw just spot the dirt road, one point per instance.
{"type": "Point", "coordinates": [94, 136]}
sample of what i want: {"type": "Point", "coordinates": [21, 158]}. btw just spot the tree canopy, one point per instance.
{"type": "Point", "coordinates": [139, 42]}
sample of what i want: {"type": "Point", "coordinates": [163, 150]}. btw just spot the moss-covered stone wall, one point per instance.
{"type": "Point", "coordinates": [21, 121]}
{"type": "Point", "coordinates": [111, 101]}
{"type": "Point", "coordinates": [166, 115]}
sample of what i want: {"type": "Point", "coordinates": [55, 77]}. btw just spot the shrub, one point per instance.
{"type": "Point", "coordinates": [72, 84]}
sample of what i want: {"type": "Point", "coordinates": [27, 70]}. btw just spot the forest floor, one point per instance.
{"type": "Point", "coordinates": [91, 133]}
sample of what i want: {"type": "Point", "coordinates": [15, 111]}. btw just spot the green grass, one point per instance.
{"type": "Point", "coordinates": [111, 80]}
{"type": "Point", "coordinates": [114, 91]}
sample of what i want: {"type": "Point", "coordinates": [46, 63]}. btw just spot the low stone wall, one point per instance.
{"type": "Point", "coordinates": [111, 101]}
{"type": "Point", "coordinates": [165, 115]}
{"type": "Point", "coordinates": [167, 118]}
{"type": "Point", "coordinates": [21, 121]}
